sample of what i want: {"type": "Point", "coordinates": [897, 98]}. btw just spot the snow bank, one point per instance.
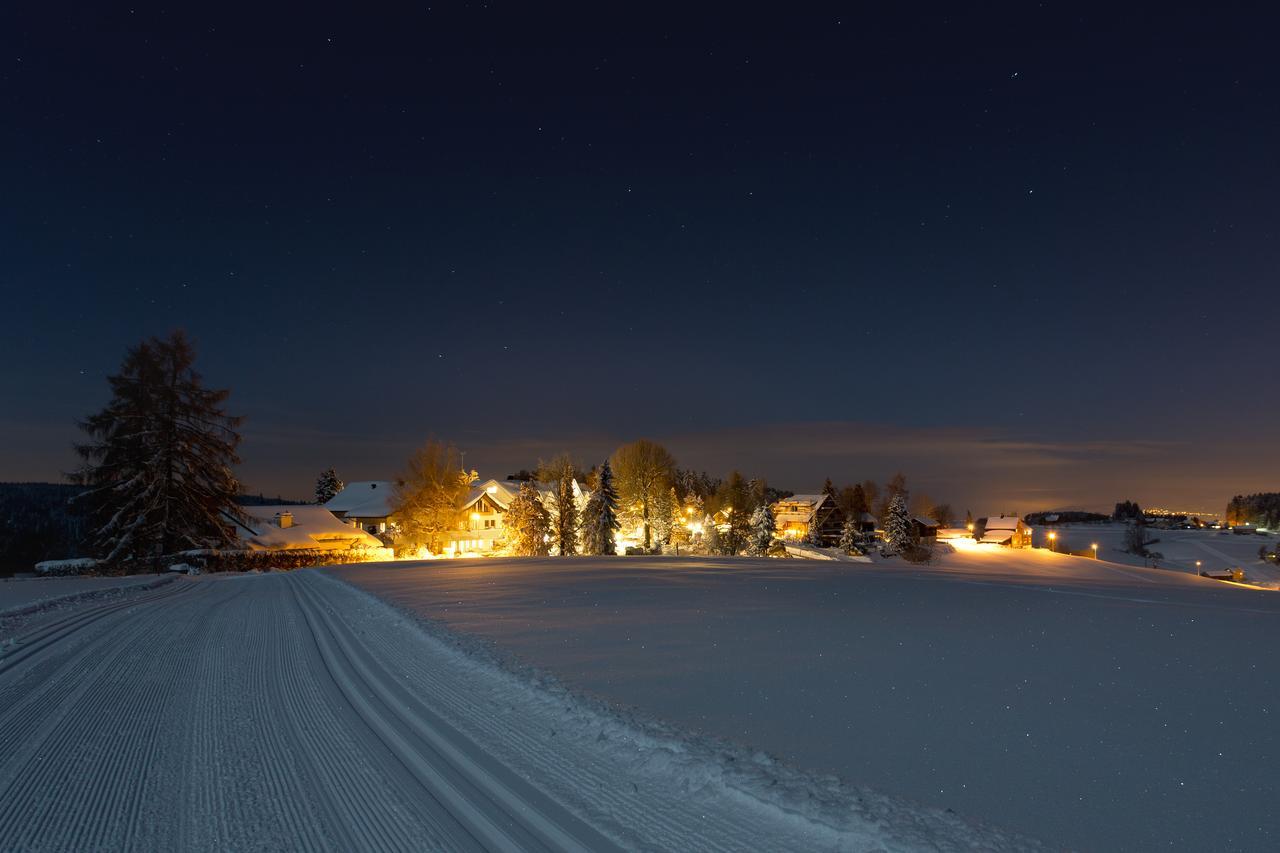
{"type": "Point", "coordinates": [65, 568]}
{"type": "Point", "coordinates": [25, 596]}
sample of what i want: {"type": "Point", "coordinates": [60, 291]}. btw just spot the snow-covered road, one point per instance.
{"type": "Point", "coordinates": [292, 711]}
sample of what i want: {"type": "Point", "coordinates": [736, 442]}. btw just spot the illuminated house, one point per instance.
{"type": "Point", "coordinates": [480, 529]}
{"type": "Point", "coordinates": [794, 516]}
{"type": "Point", "coordinates": [286, 528]}
{"type": "Point", "coordinates": [1007, 530]}
{"type": "Point", "coordinates": [369, 505]}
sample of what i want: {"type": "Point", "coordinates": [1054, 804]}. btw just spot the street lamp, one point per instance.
{"type": "Point", "coordinates": [1094, 546]}
{"type": "Point", "coordinates": [1197, 567]}
{"type": "Point", "coordinates": [1053, 537]}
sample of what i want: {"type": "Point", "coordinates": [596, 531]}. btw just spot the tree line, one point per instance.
{"type": "Point", "coordinates": [1261, 509]}
{"type": "Point", "coordinates": [157, 477]}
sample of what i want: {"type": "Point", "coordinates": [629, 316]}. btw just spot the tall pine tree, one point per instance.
{"type": "Point", "coordinates": [898, 538]}
{"type": "Point", "coordinates": [762, 530]}
{"type": "Point", "coordinates": [157, 464]}
{"type": "Point", "coordinates": [527, 524]}
{"type": "Point", "coordinates": [564, 508]}
{"type": "Point", "coordinates": [600, 516]}
{"type": "Point", "coordinates": [327, 485]}
{"type": "Point", "coordinates": [850, 537]}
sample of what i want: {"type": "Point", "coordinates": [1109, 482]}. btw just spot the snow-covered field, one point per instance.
{"type": "Point", "coordinates": [1178, 549]}
{"type": "Point", "coordinates": [293, 711]}
{"type": "Point", "coordinates": [1094, 705]}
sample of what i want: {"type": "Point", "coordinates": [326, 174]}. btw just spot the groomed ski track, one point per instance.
{"type": "Point", "coordinates": [291, 711]}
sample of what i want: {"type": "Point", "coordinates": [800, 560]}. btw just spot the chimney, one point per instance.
{"type": "Point", "coordinates": [284, 519]}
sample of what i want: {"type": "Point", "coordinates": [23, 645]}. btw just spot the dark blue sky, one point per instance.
{"type": "Point", "coordinates": [1034, 245]}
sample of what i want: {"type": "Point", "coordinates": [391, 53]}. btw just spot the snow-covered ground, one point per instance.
{"type": "Point", "coordinates": [1094, 705]}
{"type": "Point", "coordinates": [293, 711]}
{"type": "Point", "coordinates": [1178, 549]}
{"type": "Point", "coordinates": [20, 594]}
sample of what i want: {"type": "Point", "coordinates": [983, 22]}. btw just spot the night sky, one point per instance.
{"type": "Point", "coordinates": [1027, 255]}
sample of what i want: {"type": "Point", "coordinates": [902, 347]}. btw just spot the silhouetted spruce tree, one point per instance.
{"type": "Point", "coordinates": [327, 486]}
{"type": "Point", "coordinates": [157, 465]}
{"type": "Point", "coordinates": [600, 515]}
{"type": "Point", "coordinates": [564, 509]}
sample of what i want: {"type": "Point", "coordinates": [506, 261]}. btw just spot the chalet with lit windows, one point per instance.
{"type": "Point", "coordinates": [479, 530]}
{"type": "Point", "coordinates": [1007, 530]}
{"type": "Point", "coordinates": [368, 505]}
{"type": "Point", "coordinates": [795, 516]}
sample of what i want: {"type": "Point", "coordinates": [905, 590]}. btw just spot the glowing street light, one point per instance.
{"type": "Point", "coordinates": [1053, 539]}
{"type": "Point", "coordinates": [1094, 546]}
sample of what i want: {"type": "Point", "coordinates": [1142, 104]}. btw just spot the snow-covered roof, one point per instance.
{"type": "Point", "coordinates": [805, 505]}
{"type": "Point", "coordinates": [313, 527]}
{"type": "Point", "coordinates": [998, 536]}
{"type": "Point", "coordinates": [867, 518]}
{"type": "Point", "coordinates": [927, 522]}
{"type": "Point", "coordinates": [812, 500]}
{"type": "Point", "coordinates": [1003, 522]}
{"type": "Point", "coordinates": [364, 499]}
{"type": "Point", "coordinates": [504, 491]}
{"type": "Point", "coordinates": [501, 492]}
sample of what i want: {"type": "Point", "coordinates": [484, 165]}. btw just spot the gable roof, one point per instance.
{"type": "Point", "coordinates": [313, 527]}
{"type": "Point", "coordinates": [364, 499]}
{"type": "Point", "coordinates": [501, 492]}
{"type": "Point", "coordinates": [1003, 522]}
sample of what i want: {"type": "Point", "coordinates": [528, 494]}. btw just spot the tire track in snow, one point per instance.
{"type": "Point", "coordinates": [68, 756]}
{"type": "Point", "coordinates": [291, 711]}
{"type": "Point", "coordinates": [496, 809]}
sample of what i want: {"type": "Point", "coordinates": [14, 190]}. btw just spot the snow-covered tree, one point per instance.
{"type": "Point", "coordinates": [157, 463]}
{"type": "Point", "coordinates": [762, 530]}
{"type": "Point", "coordinates": [711, 536]}
{"type": "Point", "coordinates": [327, 485]}
{"type": "Point", "coordinates": [898, 535]}
{"type": "Point", "coordinates": [527, 524]}
{"type": "Point", "coordinates": [850, 537]}
{"type": "Point", "coordinates": [430, 492]}
{"type": "Point", "coordinates": [664, 516]}
{"type": "Point", "coordinates": [600, 517]}
{"type": "Point", "coordinates": [813, 535]}
{"type": "Point", "coordinates": [645, 471]}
